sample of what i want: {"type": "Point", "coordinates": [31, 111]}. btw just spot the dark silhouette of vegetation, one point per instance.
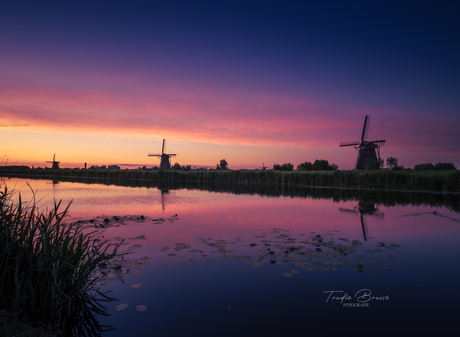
{"type": "Point", "coordinates": [392, 163]}
{"type": "Point", "coordinates": [434, 180]}
{"type": "Point", "coordinates": [47, 269]}
{"type": "Point", "coordinates": [284, 167]}
{"type": "Point", "coordinates": [318, 165]}
{"type": "Point", "coordinates": [307, 166]}
{"type": "Point", "coordinates": [445, 166]}
{"type": "Point", "coordinates": [223, 165]}
{"type": "Point", "coordinates": [438, 166]}
{"type": "Point", "coordinates": [323, 165]}
{"type": "Point", "coordinates": [424, 167]}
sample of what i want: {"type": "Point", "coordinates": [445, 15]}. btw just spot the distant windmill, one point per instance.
{"type": "Point", "coordinates": [55, 163]}
{"type": "Point", "coordinates": [263, 167]}
{"type": "Point", "coordinates": [367, 149]}
{"type": "Point", "coordinates": [165, 163]}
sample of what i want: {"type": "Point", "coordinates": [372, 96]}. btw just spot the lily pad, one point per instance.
{"type": "Point", "coordinates": [141, 308]}
{"type": "Point", "coordinates": [121, 307]}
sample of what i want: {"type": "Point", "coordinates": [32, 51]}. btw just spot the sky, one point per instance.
{"type": "Point", "coordinates": [253, 82]}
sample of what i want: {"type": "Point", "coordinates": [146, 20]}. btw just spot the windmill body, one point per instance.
{"type": "Point", "coordinates": [367, 150]}
{"type": "Point", "coordinates": [55, 163]}
{"type": "Point", "coordinates": [165, 163]}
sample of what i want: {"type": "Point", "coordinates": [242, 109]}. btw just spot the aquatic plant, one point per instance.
{"type": "Point", "coordinates": [47, 268]}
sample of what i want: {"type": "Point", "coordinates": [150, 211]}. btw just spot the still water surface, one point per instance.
{"type": "Point", "coordinates": [202, 263]}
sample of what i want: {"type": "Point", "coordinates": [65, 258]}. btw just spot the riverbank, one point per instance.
{"type": "Point", "coordinates": [406, 180]}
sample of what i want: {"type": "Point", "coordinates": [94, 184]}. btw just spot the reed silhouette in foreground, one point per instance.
{"type": "Point", "coordinates": [48, 270]}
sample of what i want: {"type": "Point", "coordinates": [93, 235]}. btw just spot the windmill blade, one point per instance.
{"type": "Point", "coordinates": [379, 141]}
{"type": "Point", "coordinates": [54, 157]}
{"type": "Point", "coordinates": [349, 143]}
{"type": "Point", "coordinates": [366, 127]}
{"type": "Point", "coordinates": [163, 148]}
{"type": "Point", "coordinates": [433, 213]}
{"type": "Point", "coordinates": [348, 210]}
{"type": "Point", "coordinates": [172, 155]}
{"type": "Point", "coordinates": [154, 155]}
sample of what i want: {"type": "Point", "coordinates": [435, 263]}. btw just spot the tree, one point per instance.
{"type": "Point", "coordinates": [445, 166]}
{"type": "Point", "coordinates": [284, 167]}
{"type": "Point", "coordinates": [323, 165]}
{"type": "Point", "coordinates": [176, 166]}
{"type": "Point", "coordinates": [307, 166]}
{"type": "Point", "coordinates": [424, 167]}
{"type": "Point", "coordinates": [223, 165]}
{"type": "Point", "coordinates": [392, 163]}
{"type": "Point", "coordinates": [318, 165]}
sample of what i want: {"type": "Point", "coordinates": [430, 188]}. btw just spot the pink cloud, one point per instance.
{"type": "Point", "coordinates": [181, 111]}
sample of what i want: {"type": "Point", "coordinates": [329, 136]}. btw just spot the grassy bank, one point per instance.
{"type": "Point", "coordinates": [434, 181]}
{"type": "Point", "coordinates": [47, 270]}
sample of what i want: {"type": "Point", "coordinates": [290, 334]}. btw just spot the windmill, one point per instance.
{"type": "Point", "coordinates": [165, 163]}
{"type": "Point", "coordinates": [362, 209]}
{"type": "Point", "coordinates": [366, 149]}
{"type": "Point", "coordinates": [55, 163]}
{"type": "Point", "coordinates": [263, 167]}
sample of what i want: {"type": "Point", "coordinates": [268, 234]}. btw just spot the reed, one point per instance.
{"type": "Point", "coordinates": [401, 180]}
{"type": "Point", "coordinates": [47, 268]}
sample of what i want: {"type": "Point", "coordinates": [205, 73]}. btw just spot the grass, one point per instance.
{"type": "Point", "coordinates": [435, 180]}
{"type": "Point", "coordinates": [47, 270]}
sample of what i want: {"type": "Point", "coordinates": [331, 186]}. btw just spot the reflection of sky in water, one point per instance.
{"type": "Point", "coordinates": [250, 265]}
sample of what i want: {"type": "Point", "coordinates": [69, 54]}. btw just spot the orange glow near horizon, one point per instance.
{"type": "Point", "coordinates": [104, 126]}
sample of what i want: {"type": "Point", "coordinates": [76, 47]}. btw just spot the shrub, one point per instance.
{"type": "Point", "coordinates": [445, 166]}
{"type": "Point", "coordinates": [424, 167]}
{"type": "Point", "coordinates": [284, 167]}
{"type": "Point", "coordinates": [307, 166]}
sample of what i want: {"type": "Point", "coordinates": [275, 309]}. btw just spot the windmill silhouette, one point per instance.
{"type": "Point", "coordinates": [263, 167]}
{"type": "Point", "coordinates": [55, 163]}
{"type": "Point", "coordinates": [364, 208]}
{"type": "Point", "coordinates": [165, 163]}
{"type": "Point", "coordinates": [366, 149]}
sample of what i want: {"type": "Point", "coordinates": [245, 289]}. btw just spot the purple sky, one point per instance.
{"type": "Point", "coordinates": [252, 82]}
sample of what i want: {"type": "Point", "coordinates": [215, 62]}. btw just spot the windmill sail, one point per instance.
{"type": "Point", "coordinates": [165, 163]}
{"type": "Point", "coordinates": [367, 150]}
{"type": "Point", "coordinates": [55, 163]}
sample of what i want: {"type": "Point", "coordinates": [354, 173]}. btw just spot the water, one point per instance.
{"type": "Point", "coordinates": [218, 264]}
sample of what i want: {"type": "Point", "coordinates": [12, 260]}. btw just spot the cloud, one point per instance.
{"type": "Point", "coordinates": [180, 111]}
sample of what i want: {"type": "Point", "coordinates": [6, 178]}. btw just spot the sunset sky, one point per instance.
{"type": "Point", "coordinates": [103, 82]}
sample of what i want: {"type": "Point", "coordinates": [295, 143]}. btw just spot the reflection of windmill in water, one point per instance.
{"type": "Point", "coordinates": [55, 163]}
{"type": "Point", "coordinates": [434, 213]}
{"type": "Point", "coordinates": [165, 193]}
{"type": "Point", "coordinates": [366, 149]}
{"type": "Point", "coordinates": [165, 163]}
{"type": "Point", "coordinates": [54, 182]}
{"type": "Point", "coordinates": [364, 208]}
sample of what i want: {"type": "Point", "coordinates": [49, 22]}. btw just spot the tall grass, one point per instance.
{"type": "Point", "coordinates": [47, 268]}
{"type": "Point", "coordinates": [403, 180]}
{"type": "Point", "coordinates": [434, 181]}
